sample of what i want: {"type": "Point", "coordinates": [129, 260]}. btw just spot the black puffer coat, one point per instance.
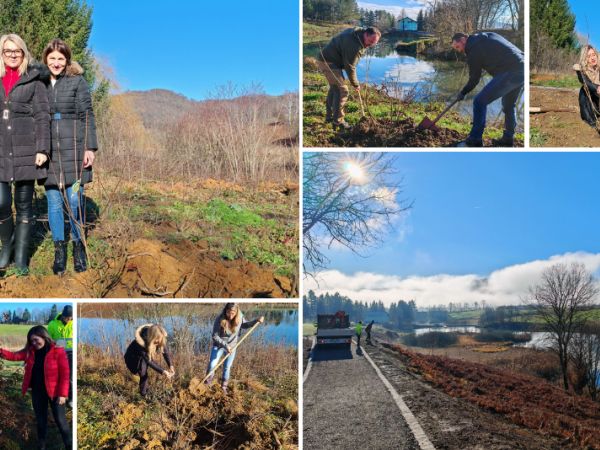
{"type": "Point", "coordinates": [73, 128]}
{"type": "Point", "coordinates": [26, 129]}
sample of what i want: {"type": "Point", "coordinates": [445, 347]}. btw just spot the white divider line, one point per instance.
{"type": "Point", "coordinates": [411, 420]}
{"type": "Point", "coordinates": [309, 365]}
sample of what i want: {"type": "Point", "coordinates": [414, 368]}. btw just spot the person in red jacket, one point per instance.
{"type": "Point", "coordinates": [47, 375]}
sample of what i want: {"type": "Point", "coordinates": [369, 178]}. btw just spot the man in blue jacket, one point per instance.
{"type": "Point", "coordinates": [504, 62]}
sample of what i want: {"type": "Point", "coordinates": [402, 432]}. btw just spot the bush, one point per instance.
{"type": "Point", "coordinates": [431, 339]}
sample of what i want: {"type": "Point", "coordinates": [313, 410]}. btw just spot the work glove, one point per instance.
{"type": "Point", "coordinates": [460, 97]}
{"type": "Point", "coordinates": [577, 67]}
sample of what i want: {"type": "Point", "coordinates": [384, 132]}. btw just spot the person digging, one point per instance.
{"type": "Point", "coordinates": [504, 62]}
{"type": "Point", "coordinates": [341, 55]}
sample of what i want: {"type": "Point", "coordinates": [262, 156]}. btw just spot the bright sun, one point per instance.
{"type": "Point", "coordinates": [354, 171]}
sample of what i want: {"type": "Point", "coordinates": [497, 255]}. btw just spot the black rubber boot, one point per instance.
{"type": "Point", "coordinates": [504, 141]}
{"type": "Point", "coordinates": [79, 257]}
{"type": "Point", "coordinates": [22, 241]}
{"type": "Point", "coordinates": [7, 228]}
{"type": "Point", "coordinates": [60, 258]}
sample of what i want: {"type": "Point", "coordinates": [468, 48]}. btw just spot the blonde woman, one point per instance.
{"type": "Point", "coordinates": [150, 340]}
{"type": "Point", "coordinates": [588, 72]}
{"type": "Point", "coordinates": [24, 146]}
{"type": "Point", "coordinates": [226, 332]}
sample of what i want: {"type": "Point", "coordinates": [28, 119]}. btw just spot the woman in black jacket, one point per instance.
{"type": "Point", "coordinates": [588, 72]}
{"type": "Point", "coordinates": [24, 147]}
{"type": "Point", "coordinates": [73, 146]}
{"type": "Point", "coordinates": [150, 339]}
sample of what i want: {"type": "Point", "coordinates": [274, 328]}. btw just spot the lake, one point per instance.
{"type": "Point", "coordinates": [420, 331]}
{"type": "Point", "coordinates": [417, 77]}
{"type": "Point", "coordinates": [280, 328]}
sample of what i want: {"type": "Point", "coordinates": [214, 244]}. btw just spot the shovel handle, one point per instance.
{"type": "Point", "coordinates": [444, 111]}
{"type": "Point", "coordinates": [232, 350]}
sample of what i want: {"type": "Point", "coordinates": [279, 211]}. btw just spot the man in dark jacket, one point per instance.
{"type": "Point", "coordinates": [504, 62]}
{"type": "Point", "coordinates": [342, 54]}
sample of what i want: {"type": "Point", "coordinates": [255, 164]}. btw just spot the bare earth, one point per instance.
{"type": "Point", "coordinates": [347, 406]}
{"type": "Point", "coordinates": [561, 129]}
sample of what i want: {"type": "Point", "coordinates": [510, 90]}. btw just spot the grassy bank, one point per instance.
{"type": "Point", "coordinates": [390, 122]}
{"type": "Point", "coordinates": [555, 80]}
{"type": "Point", "coordinates": [10, 329]}
{"type": "Point", "coordinates": [316, 32]}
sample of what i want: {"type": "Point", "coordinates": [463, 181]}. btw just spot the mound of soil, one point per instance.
{"type": "Point", "coordinates": [152, 268]}
{"type": "Point", "coordinates": [371, 132]}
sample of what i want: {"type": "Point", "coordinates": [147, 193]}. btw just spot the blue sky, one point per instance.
{"type": "Point", "coordinates": [480, 214]}
{"type": "Point", "coordinates": [170, 45]}
{"type": "Point", "coordinates": [587, 18]}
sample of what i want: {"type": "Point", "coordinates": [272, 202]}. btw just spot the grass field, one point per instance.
{"type": "Point", "coordinates": [14, 330]}
{"type": "Point", "coordinates": [313, 32]}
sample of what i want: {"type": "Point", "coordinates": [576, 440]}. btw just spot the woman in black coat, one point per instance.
{"type": "Point", "coordinates": [588, 72]}
{"type": "Point", "coordinates": [24, 147]}
{"type": "Point", "coordinates": [73, 146]}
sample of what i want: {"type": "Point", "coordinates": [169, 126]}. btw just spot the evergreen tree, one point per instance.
{"type": "Point", "coordinates": [554, 18]}
{"type": "Point", "coordinates": [53, 313]}
{"type": "Point", "coordinates": [26, 316]}
{"type": "Point", "coordinates": [420, 21]}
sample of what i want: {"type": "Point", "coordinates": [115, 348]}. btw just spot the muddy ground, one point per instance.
{"type": "Point", "coordinates": [379, 132]}
{"type": "Point", "coordinates": [449, 423]}
{"type": "Point", "coordinates": [152, 268]}
{"type": "Point", "coordinates": [559, 128]}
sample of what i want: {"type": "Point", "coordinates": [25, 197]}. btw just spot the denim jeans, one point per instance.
{"type": "Point", "coordinates": [506, 85]}
{"type": "Point", "coordinates": [56, 204]}
{"type": "Point", "coordinates": [215, 355]}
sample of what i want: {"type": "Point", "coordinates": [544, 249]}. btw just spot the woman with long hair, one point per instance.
{"type": "Point", "coordinates": [150, 340]}
{"type": "Point", "coordinates": [588, 72]}
{"type": "Point", "coordinates": [226, 331]}
{"type": "Point", "coordinates": [74, 145]}
{"type": "Point", "coordinates": [24, 147]}
{"type": "Point", "coordinates": [47, 375]}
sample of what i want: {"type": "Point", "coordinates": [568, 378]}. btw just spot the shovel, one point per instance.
{"type": "Point", "coordinates": [232, 350]}
{"type": "Point", "coordinates": [428, 124]}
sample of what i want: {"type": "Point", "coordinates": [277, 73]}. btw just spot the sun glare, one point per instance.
{"type": "Point", "coordinates": [355, 172]}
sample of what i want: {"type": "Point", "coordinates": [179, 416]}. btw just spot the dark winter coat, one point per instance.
{"type": "Point", "coordinates": [26, 130]}
{"type": "Point", "coordinates": [56, 369]}
{"type": "Point", "coordinates": [492, 53]}
{"type": "Point", "coordinates": [344, 51]}
{"type": "Point", "coordinates": [73, 128]}
{"type": "Point", "coordinates": [137, 353]}
{"type": "Point", "coordinates": [589, 107]}
{"type": "Point", "coordinates": [222, 338]}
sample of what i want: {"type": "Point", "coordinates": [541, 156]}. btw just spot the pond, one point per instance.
{"type": "Point", "coordinates": [280, 328]}
{"type": "Point", "coordinates": [470, 329]}
{"type": "Point", "coordinates": [419, 78]}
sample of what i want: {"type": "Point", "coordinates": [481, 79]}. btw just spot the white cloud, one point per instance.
{"type": "Point", "coordinates": [411, 9]}
{"type": "Point", "coordinates": [502, 287]}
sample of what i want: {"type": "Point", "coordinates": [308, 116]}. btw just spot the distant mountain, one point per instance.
{"type": "Point", "coordinates": [159, 107]}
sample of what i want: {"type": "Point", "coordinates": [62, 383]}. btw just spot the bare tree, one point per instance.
{"type": "Point", "coordinates": [350, 199]}
{"type": "Point", "coordinates": [560, 298]}
{"type": "Point", "coordinates": [585, 356]}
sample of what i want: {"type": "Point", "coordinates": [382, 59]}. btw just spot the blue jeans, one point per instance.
{"type": "Point", "coordinates": [56, 202]}
{"type": "Point", "coordinates": [506, 85]}
{"type": "Point", "coordinates": [215, 355]}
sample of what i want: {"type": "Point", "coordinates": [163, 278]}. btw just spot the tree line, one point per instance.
{"type": "Point", "coordinates": [25, 316]}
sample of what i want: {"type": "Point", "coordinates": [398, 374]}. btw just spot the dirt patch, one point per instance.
{"type": "Point", "coordinates": [560, 128]}
{"type": "Point", "coordinates": [152, 268]}
{"type": "Point", "coordinates": [372, 132]}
